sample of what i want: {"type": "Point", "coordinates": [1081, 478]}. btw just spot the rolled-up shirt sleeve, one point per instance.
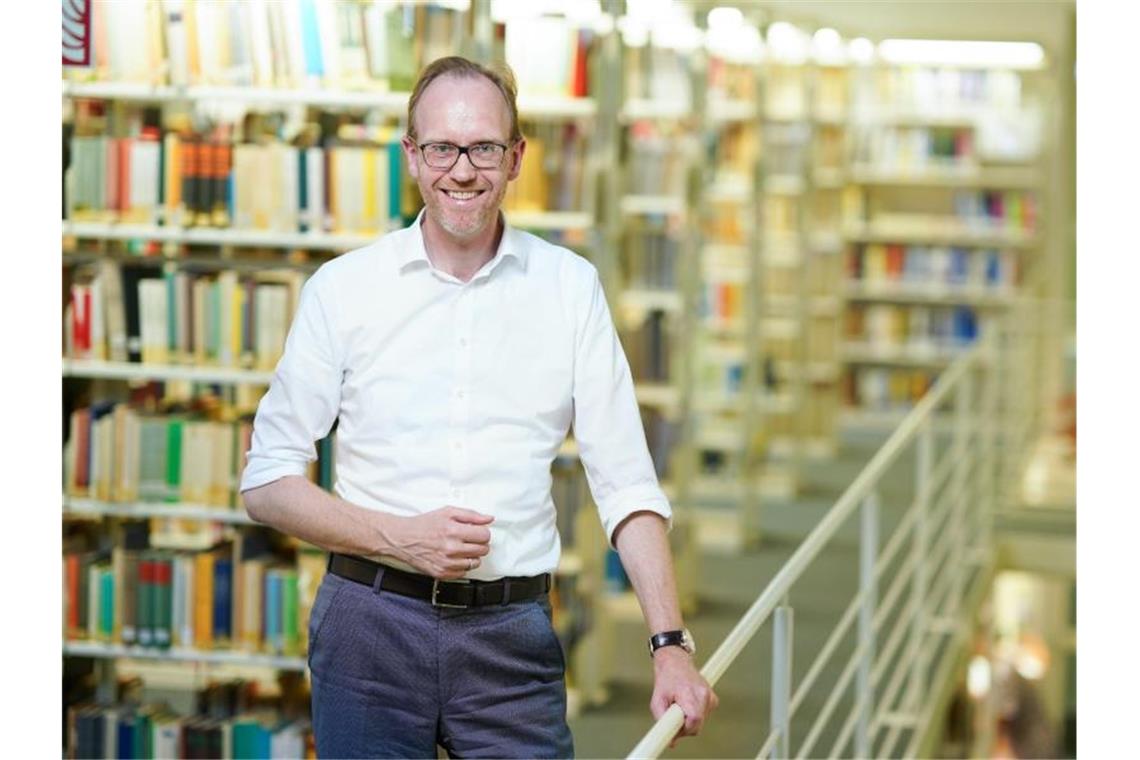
{"type": "Point", "coordinates": [304, 396]}
{"type": "Point", "coordinates": [607, 422]}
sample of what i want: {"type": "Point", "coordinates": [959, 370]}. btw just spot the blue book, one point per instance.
{"type": "Point", "coordinates": [959, 266]}
{"type": "Point", "coordinates": [311, 40]}
{"type": "Point", "coordinates": [616, 579]}
{"type": "Point", "coordinates": [223, 598]}
{"type": "Point", "coordinates": [395, 170]}
{"type": "Point", "coordinates": [303, 190]}
{"type": "Point", "coordinates": [125, 746]}
{"type": "Point", "coordinates": [274, 635]}
{"type": "Point", "coordinates": [965, 325]}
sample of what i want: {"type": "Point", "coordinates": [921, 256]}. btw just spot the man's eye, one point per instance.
{"type": "Point", "coordinates": [484, 149]}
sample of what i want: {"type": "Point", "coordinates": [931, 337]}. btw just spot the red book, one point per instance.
{"type": "Point", "coordinates": [579, 85]}
{"type": "Point", "coordinates": [72, 579]}
{"type": "Point", "coordinates": [895, 258]}
{"type": "Point", "coordinates": [81, 429]}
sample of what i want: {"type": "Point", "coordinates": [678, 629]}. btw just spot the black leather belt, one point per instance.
{"type": "Point", "coordinates": [466, 593]}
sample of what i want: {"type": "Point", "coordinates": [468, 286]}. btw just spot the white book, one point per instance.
{"type": "Point", "coordinates": [240, 72]}
{"type": "Point", "coordinates": [294, 47]}
{"type": "Point", "coordinates": [181, 287]}
{"type": "Point", "coordinates": [209, 24]}
{"type": "Point", "coordinates": [187, 631]}
{"type": "Point", "coordinates": [222, 464]}
{"type": "Point", "coordinates": [245, 158]}
{"type": "Point", "coordinates": [98, 320]}
{"type": "Point", "coordinates": [128, 483]}
{"type": "Point", "coordinates": [144, 180]}
{"type": "Point", "coordinates": [177, 604]}
{"type": "Point", "coordinates": [153, 320]}
{"type": "Point", "coordinates": [227, 284]}
{"type": "Point", "coordinates": [93, 602]}
{"type": "Point", "coordinates": [326, 12]}
{"type": "Point", "coordinates": [289, 196]}
{"type": "Point", "coordinates": [126, 25]}
{"type": "Point", "coordinates": [315, 189]}
{"type": "Point", "coordinates": [167, 739]}
{"type": "Point", "coordinates": [177, 51]}
{"type": "Point", "coordinates": [199, 291]}
{"type": "Point", "coordinates": [261, 49]}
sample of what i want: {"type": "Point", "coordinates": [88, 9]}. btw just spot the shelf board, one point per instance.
{"type": "Point", "coordinates": [784, 184]}
{"type": "Point", "coordinates": [897, 292]}
{"type": "Point", "coordinates": [938, 232]}
{"type": "Point", "coordinates": [182, 654]}
{"type": "Point", "coordinates": [730, 188]}
{"type": "Point", "coordinates": [946, 176]}
{"type": "Point", "coordinates": [902, 356]}
{"type": "Point", "coordinates": [622, 606]}
{"type": "Point", "coordinates": [652, 300]}
{"type": "Point", "coordinates": [536, 107]}
{"type": "Point", "coordinates": [392, 103]}
{"type": "Point", "coordinates": [828, 178]}
{"type": "Point", "coordinates": [658, 395]}
{"type": "Point", "coordinates": [179, 510]}
{"type": "Point", "coordinates": [648, 108]}
{"type": "Point", "coordinates": [892, 115]}
{"type": "Point", "coordinates": [551, 220]}
{"type": "Point", "coordinates": [652, 204]}
{"type": "Point", "coordinates": [163, 372]}
{"type": "Point", "coordinates": [218, 236]}
{"type": "Point", "coordinates": [723, 110]}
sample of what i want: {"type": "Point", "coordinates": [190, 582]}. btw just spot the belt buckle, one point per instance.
{"type": "Point", "coordinates": [435, 597]}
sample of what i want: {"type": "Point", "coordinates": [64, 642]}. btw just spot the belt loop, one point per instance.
{"type": "Point", "coordinates": [506, 592]}
{"type": "Point", "coordinates": [379, 577]}
{"type": "Point", "coordinates": [328, 566]}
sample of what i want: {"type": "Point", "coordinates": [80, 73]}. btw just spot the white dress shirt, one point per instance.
{"type": "Point", "coordinates": [453, 393]}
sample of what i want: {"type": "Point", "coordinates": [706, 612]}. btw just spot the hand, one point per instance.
{"type": "Point", "coordinates": [446, 543]}
{"type": "Point", "coordinates": [677, 680]}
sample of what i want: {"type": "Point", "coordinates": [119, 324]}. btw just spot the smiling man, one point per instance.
{"type": "Point", "coordinates": [456, 355]}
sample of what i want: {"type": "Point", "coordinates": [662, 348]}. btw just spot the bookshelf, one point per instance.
{"type": "Point", "coordinates": [942, 221]}
{"type": "Point", "coordinates": [655, 189]}
{"type": "Point", "coordinates": [351, 116]}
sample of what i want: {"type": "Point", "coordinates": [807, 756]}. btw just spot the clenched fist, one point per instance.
{"type": "Point", "coordinates": [446, 543]}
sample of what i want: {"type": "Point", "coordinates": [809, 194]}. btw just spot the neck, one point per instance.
{"type": "Point", "coordinates": [460, 257]}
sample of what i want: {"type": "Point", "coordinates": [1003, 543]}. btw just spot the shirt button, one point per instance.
{"type": "Point", "coordinates": [463, 342]}
{"type": "Point", "coordinates": [459, 394]}
{"type": "Point", "coordinates": [457, 445]}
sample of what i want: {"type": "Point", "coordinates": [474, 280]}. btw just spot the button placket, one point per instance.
{"type": "Point", "coordinates": [460, 394]}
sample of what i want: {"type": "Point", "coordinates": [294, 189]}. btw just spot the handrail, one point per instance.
{"type": "Point", "coordinates": [861, 493]}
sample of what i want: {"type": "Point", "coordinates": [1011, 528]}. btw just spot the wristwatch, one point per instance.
{"type": "Point", "coordinates": [681, 638]}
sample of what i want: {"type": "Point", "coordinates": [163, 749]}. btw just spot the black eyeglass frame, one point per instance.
{"type": "Point", "coordinates": [464, 150]}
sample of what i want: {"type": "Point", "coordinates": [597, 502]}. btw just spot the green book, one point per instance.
{"type": "Point", "coordinates": [106, 603]}
{"type": "Point", "coordinates": [289, 623]}
{"type": "Point", "coordinates": [163, 609]}
{"type": "Point", "coordinates": [245, 739]}
{"type": "Point", "coordinates": [152, 459]}
{"type": "Point", "coordinates": [173, 460]}
{"type": "Point", "coordinates": [144, 608]}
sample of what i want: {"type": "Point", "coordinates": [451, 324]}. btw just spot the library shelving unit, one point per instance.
{"type": "Point", "coordinates": [144, 222]}
{"type": "Point", "coordinates": [943, 213]}
{"type": "Point", "coordinates": [728, 397]}
{"type": "Point", "coordinates": [654, 190]}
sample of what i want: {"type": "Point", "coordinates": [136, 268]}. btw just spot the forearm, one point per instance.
{"type": "Point", "coordinates": [643, 545]}
{"type": "Point", "coordinates": [297, 506]}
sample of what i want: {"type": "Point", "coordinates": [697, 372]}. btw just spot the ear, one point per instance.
{"type": "Point", "coordinates": [411, 156]}
{"type": "Point", "coordinates": [516, 159]}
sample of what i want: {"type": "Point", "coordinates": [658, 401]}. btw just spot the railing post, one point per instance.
{"type": "Point", "coordinates": [962, 459]}
{"type": "Point", "coordinates": [864, 689]}
{"type": "Point", "coordinates": [782, 637]}
{"type": "Point", "coordinates": [920, 557]}
{"type": "Point", "coordinates": [992, 429]}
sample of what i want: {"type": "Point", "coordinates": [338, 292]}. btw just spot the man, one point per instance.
{"type": "Point", "coordinates": [456, 354]}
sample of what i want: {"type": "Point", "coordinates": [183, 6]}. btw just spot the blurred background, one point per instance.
{"type": "Point", "coordinates": [803, 213]}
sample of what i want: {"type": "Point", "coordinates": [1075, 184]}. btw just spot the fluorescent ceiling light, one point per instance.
{"type": "Point", "coordinates": [966, 53]}
{"type": "Point", "coordinates": [725, 18]}
{"type": "Point", "coordinates": [862, 50]}
{"type": "Point", "coordinates": [827, 46]}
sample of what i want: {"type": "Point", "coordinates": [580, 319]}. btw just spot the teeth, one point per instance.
{"type": "Point", "coordinates": [461, 196]}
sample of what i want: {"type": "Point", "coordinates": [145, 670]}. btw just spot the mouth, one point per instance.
{"type": "Point", "coordinates": [462, 195]}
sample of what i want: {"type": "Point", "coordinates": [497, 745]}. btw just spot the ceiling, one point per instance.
{"type": "Point", "coordinates": [1047, 22]}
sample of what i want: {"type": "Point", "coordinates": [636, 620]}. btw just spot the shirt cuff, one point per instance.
{"type": "Point", "coordinates": [644, 497]}
{"type": "Point", "coordinates": [260, 471]}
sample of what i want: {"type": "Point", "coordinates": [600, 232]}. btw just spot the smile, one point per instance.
{"type": "Point", "coordinates": [461, 195]}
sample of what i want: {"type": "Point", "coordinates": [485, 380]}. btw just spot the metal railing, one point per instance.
{"type": "Point", "coordinates": [909, 613]}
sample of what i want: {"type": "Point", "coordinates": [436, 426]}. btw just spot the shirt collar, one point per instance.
{"type": "Point", "coordinates": [512, 244]}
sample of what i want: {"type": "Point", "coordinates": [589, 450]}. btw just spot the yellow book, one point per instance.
{"type": "Point", "coordinates": [173, 179]}
{"type": "Point", "coordinates": [237, 313]}
{"type": "Point", "coordinates": [370, 217]}
{"type": "Point", "coordinates": [204, 600]}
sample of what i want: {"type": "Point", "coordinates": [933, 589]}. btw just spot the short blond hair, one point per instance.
{"type": "Point", "coordinates": [499, 75]}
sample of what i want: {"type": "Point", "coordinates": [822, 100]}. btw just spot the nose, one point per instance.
{"type": "Point", "coordinates": [463, 170]}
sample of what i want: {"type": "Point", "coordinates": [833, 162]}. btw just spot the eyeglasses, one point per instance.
{"type": "Point", "coordinates": [444, 155]}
